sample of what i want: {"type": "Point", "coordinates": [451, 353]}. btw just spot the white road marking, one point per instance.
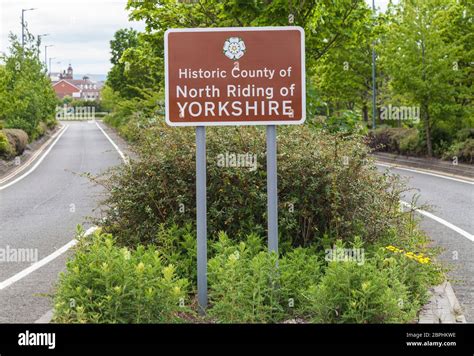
{"type": "Point", "coordinates": [423, 172]}
{"type": "Point", "coordinates": [46, 317]}
{"type": "Point", "coordinates": [27, 271]}
{"type": "Point", "coordinates": [31, 160]}
{"type": "Point", "coordinates": [441, 221]}
{"type": "Point", "coordinates": [124, 158]}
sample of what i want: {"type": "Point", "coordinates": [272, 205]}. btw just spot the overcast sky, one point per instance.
{"type": "Point", "coordinates": [80, 30]}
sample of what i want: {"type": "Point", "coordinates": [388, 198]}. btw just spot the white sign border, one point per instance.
{"type": "Point", "coordinates": [239, 123]}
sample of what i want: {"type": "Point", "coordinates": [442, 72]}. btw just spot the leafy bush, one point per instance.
{"type": "Point", "coordinates": [389, 285]}
{"type": "Point", "coordinates": [346, 122]}
{"type": "Point", "coordinates": [247, 284]}
{"type": "Point", "coordinates": [463, 150]}
{"type": "Point", "coordinates": [299, 269]}
{"type": "Point", "coordinates": [353, 293]}
{"type": "Point", "coordinates": [5, 148]}
{"type": "Point", "coordinates": [465, 134]}
{"type": "Point", "coordinates": [396, 140]}
{"type": "Point", "coordinates": [41, 129]}
{"type": "Point", "coordinates": [327, 185]}
{"type": "Point", "coordinates": [107, 284]}
{"type": "Point", "coordinates": [177, 246]}
{"type": "Point", "coordinates": [410, 143]}
{"type": "Point", "coordinates": [243, 283]}
{"type": "Point", "coordinates": [18, 140]}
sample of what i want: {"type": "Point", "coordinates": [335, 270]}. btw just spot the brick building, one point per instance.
{"type": "Point", "coordinates": [66, 85]}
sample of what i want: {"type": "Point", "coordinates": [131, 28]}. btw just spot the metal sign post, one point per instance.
{"type": "Point", "coordinates": [201, 212]}
{"type": "Point", "coordinates": [272, 194]}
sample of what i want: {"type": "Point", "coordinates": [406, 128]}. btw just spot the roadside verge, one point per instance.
{"type": "Point", "coordinates": [11, 169]}
{"type": "Point", "coordinates": [460, 170]}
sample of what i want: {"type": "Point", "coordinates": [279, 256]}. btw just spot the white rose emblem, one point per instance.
{"type": "Point", "coordinates": [234, 48]}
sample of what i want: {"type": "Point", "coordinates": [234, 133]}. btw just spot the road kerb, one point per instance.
{"type": "Point", "coordinates": [25, 165]}
{"type": "Point", "coordinates": [443, 307]}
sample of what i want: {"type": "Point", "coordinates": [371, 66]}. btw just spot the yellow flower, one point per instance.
{"type": "Point", "coordinates": [420, 258]}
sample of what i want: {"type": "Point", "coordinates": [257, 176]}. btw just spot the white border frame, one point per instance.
{"type": "Point", "coordinates": [239, 123]}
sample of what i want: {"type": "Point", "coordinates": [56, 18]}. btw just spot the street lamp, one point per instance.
{"type": "Point", "coordinates": [46, 56]}
{"type": "Point", "coordinates": [23, 24]}
{"type": "Point", "coordinates": [50, 58]}
{"type": "Point", "coordinates": [39, 41]}
{"type": "Point", "coordinates": [42, 35]}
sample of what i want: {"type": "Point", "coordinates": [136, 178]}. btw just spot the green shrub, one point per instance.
{"type": "Point", "coordinates": [18, 140]}
{"type": "Point", "coordinates": [353, 293]}
{"type": "Point", "coordinates": [318, 193]}
{"type": "Point", "coordinates": [346, 122]}
{"type": "Point", "coordinates": [464, 151]}
{"type": "Point", "coordinates": [41, 129]}
{"type": "Point", "coordinates": [243, 284]}
{"type": "Point", "coordinates": [464, 134]}
{"type": "Point", "coordinates": [248, 285]}
{"type": "Point", "coordinates": [177, 246]}
{"type": "Point", "coordinates": [107, 284]}
{"type": "Point", "coordinates": [396, 140]}
{"type": "Point", "coordinates": [5, 148]}
{"type": "Point", "coordinates": [299, 269]}
{"type": "Point", "coordinates": [410, 143]}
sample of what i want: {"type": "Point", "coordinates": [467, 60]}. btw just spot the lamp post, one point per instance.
{"type": "Point", "coordinates": [23, 24]}
{"type": "Point", "coordinates": [39, 41]}
{"type": "Point", "coordinates": [50, 58]}
{"type": "Point", "coordinates": [46, 56]}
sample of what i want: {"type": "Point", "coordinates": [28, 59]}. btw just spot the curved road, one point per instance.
{"type": "Point", "coordinates": [452, 201]}
{"type": "Point", "coordinates": [41, 211]}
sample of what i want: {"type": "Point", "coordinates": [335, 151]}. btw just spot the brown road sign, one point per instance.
{"type": "Point", "coordinates": [235, 76]}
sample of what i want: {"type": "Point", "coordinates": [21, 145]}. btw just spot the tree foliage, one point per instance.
{"type": "Point", "coordinates": [27, 98]}
{"type": "Point", "coordinates": [423, 58]}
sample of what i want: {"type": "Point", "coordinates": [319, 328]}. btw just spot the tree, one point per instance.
{"type": "Point", "coordinates": [117, 78]}
{"type": "Point", "coordinates": [328, 25]}
{"type": "Point", "coordinates": [344, 75]}
{"type": "Point", "coordinates": [26, 94]}
{"type": "Point", "coordinates": [419, 59]}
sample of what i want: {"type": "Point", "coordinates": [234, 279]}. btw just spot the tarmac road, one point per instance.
{"type": "Point", "coordinates": [41, 212]}
{"type": "Point", "coordinates": [452, 201]}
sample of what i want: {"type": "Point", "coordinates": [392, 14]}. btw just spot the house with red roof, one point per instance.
{"type": "Point", "coordinates": [84, 88]}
